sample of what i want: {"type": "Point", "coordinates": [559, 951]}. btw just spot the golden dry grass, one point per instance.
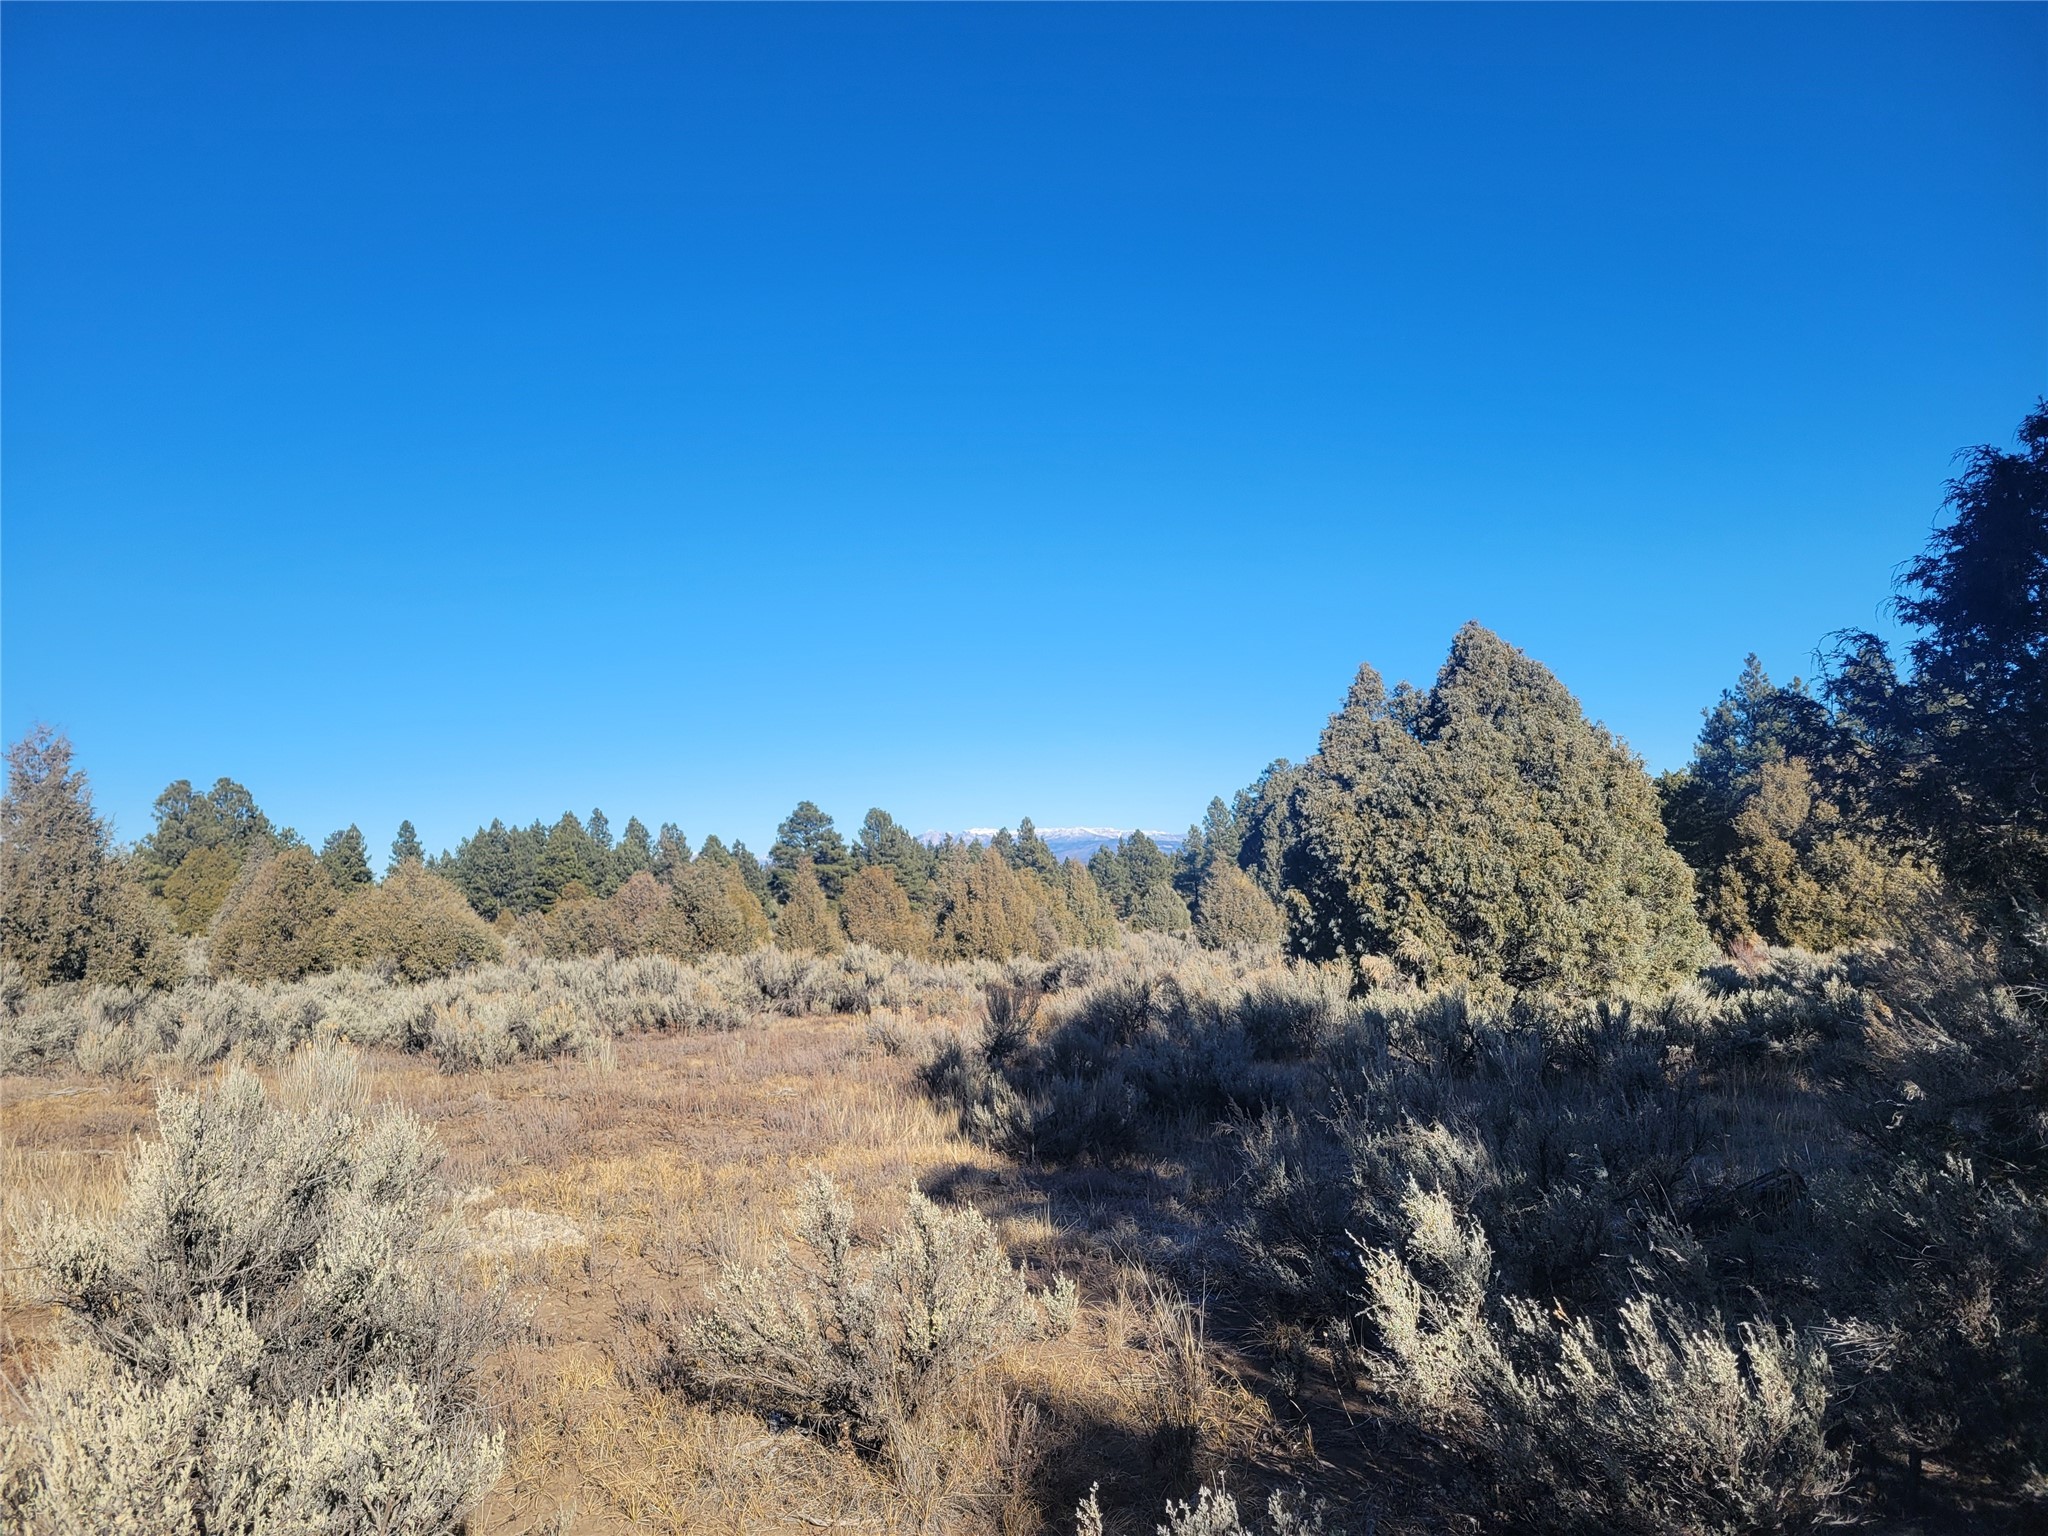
{"type": "Point", "coordinates": [605, 1190]}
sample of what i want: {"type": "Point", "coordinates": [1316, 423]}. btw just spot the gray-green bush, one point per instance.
{"type": "Point", "coordinates": [270, 1333]}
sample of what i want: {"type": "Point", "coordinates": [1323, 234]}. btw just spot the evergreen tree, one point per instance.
{"type": "Point", "coordinates": [717, 913]}
{"type": "Point", "coordinates": [405, 849]}
{"type": "Point", "coordinates": [1959, 748]}
{"type": "Point", "coordinates": [416, 923]}
{"type": "Point", "coordinates": [604, 864]}
{"type": "Point", "coordinates": [346, 857]}
{"type": "Point", "coordinates": [197, 887]}
{"type": "Point", "coordinates": [672, 852]}
{"type": "Point", "coordinates": [876, 910]}
{"type": "Point", "coordinates": [807, 923]}
{"type": "Point", "coordinates": [69, 909]}
{"type": "Point", "coordinates": [989, 911]}
{"type": "Point", "coordinates": [1761, 815]}
{"type": "Point", "coordinates": [754, 877]}
{"type": "Point", "coordinates": [278, 922]}
{"type": "Point", "coordinates": [496, 869]}
{"type": "Point", "coordinates": [566, 857]}
{"type": "Point", "coordinates": [885, 842]}
{"type": "Point", "coordinates": [1029, 852]}
{"type": "Point", "coordinates": [1484, 829]}
{"type": "Point", "coordinates": [225, 817]}
{"type": "Point", "coordinates": [1233, 910]}
{"type": "Point", "coordinates": [1084, 917]}
{"type": "Point", "coordinates": [635, 852]}
{"type": "Point", "coordinates": [807, 833]}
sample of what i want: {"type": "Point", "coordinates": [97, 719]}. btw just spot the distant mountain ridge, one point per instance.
{"type": "Point", "coordinates": [1065, 842]}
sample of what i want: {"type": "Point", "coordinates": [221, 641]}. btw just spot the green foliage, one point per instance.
{"type": "Point", "coordinates": [876, 911]}
{"type": "Point", "coordinates": [1481, 829]}
{"type": "Point", "coordinates": [884, 842]}
{"type": "Point", "coordinates": [807, 922]}
{"type": "Point", "coordinates": [718, 913]}
{"type": "Point", "coordinates": [405, 848]}
{"type": "Point", "coordinates": [225, 817]}
{"type": "Point", "coordinates": [989, 911]}
{"type": "Point", "coordinates": [808, 833]}
{"type": "Point", "coordinates": [346, 858]}
{"type": "Point", "coordinates": [196, 888]}
{"type": "Point", "coordinates": [416, 923]}
{"type": "Point", "coordinates": [277, 923]}
{"type": "Point", "coordinates": [1765, 816]}
{"type": "Point", "coordinates": [1958, 750]}
{"type": "Point", "coordinates": [1232, 910]}
{"type": "Point", "coordinates": [69, 910]}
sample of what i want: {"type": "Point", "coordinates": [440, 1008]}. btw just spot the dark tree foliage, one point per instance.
{"type": "Point", "coordinates": [1482, 829]}
{"type": "Point", "coordinates": [405, 849]}
{"type": "Point", "coordinates": [635, 852]}
{"type": "Point", "coordinates": [1136, 877]}
{"type": "Point", "coordinates": [346, 858]}
{"type": "Point", "coordinates": [224, 817]}
{"type": "Point", "coordinates": [1766, 815]}
{"type": "Point", "coordinates": [1959, 744]}
{"type": "Point", "coordinates": [885, 843]}
{"type": "Point", "coordinates": [808, 833]}
{"type": "Point", "coordinates": [69, 910]}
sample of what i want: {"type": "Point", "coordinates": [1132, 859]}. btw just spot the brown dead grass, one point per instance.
{"type": "Point", "coordinates": [605, 1190]}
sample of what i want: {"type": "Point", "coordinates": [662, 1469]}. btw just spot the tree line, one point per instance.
{"type": "Point", "coordinates": [1481, 829]}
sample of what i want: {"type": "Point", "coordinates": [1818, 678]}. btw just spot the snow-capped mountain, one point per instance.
{"type": "Point", "coordinates": [1066, 842]}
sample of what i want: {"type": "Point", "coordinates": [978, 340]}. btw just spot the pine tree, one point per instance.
{"type": "Point", "coordinates": [635, 852]}
{"type": "Point", "coordinates": [566, 857]}
{"type": "Point", "coordinates": [884, 842]}
{"type": "Point", "coordinates": [346, 857]}
{"type": "Point", "coordinates": [405, 849]}
{"type": "Point", "coordinates": [69, 910]}
{"type": "Point", "coordinates": [1030, 852]}
{"type": "Point", "coordinates": [672, 852]}
{"type": "Point", "coordinates": [807, 833]}
{"type": "Point", "coordinates": [988, 911]}
{"type": "Point", "coordinates": [225, 817]}
{"type": "Point", "coordinates": [807, 922]}
{"type": "Point", "coordinates": [1085, 919]}
{"type": "Point", "coordinates": [1483, 829]}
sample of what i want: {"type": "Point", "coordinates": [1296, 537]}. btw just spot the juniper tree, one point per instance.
{"type": "Point", "coordinates": [876, 910]}
{"type": "Point", "coordinates": [807, 921]}
{"type": "Point", "coordinates": [1764, 816]}
{"type": "Point", "coordinates": [278, 922]}
{"type": "Point", "coordinates": [1484, 829]}
{"type": "Point", "coordinates": [68, 909]}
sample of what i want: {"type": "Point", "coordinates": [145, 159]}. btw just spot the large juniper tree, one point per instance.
{"type": "Point", "coordinates": [1480, 829]}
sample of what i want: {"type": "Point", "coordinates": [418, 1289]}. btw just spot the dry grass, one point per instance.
{"type": "Point", "coordinates": [607, 1187]}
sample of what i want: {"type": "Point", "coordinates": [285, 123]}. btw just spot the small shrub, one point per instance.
{"type": "Point", "coordinates": [878, 1342]}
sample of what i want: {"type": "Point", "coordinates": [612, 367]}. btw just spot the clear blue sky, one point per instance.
{"type": "Point", "coordinates": [462, 411]}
